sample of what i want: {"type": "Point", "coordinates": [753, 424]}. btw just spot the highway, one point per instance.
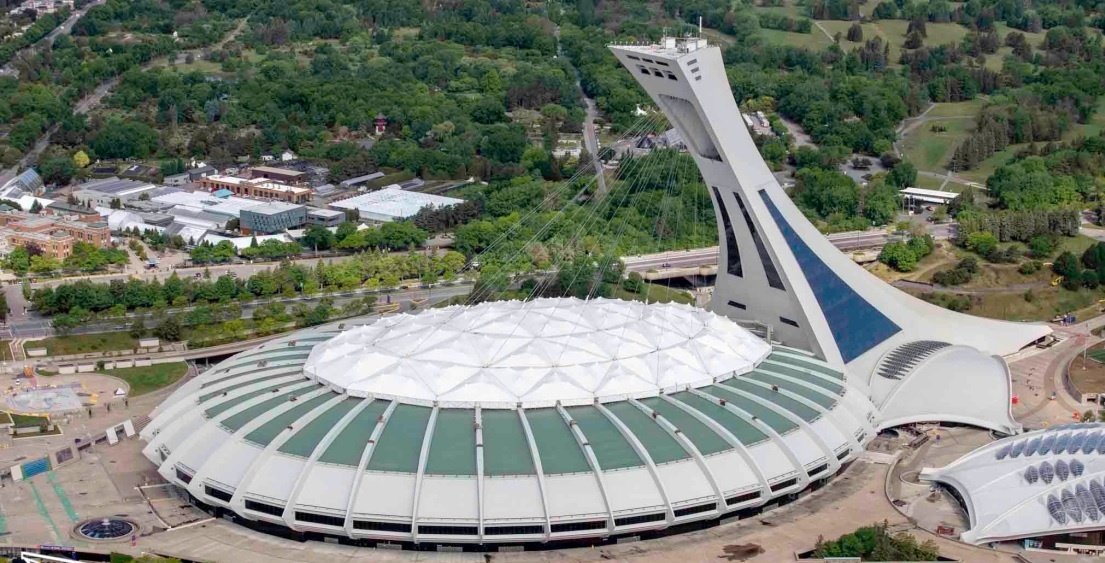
{"type": "Point", "coordinates": [681, 263]}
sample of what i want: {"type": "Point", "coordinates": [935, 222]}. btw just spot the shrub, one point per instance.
{"type": "Point", "coordinates": [1030, 267]}
{"type": "Point", "coordinates": [982, 242]}
{"type": "Point", "coordinates": [958, 303]}
{"type": "Point", "coordinates": [1089, 279]}
{"type": "Point", "coordinates": [1042, 246]}
{"type": "Point", "coordinates": [955, 276]}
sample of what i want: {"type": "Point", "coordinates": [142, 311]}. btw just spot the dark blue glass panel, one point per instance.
{"type": "Point", "coordinates": [856, 325]}
{"type": "Point", "coordinates": [733, 255]}
{"type": "Point", "coordinates": [770, 272]}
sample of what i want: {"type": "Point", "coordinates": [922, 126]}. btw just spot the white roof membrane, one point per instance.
{"type": "Point", "coordinates": [536, 353]}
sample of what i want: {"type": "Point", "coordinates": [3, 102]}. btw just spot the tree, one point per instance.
{"type": "Point", "coordinates": [855, 33]}
{"type": "Point", "coordinates": [318, 237]}
{"type": "Point", "coordinates": [137, 328]}
{"type": "Point", "coordinates": [64, 324]}
{"type": "Point", "coordinates": [982, 242]}
{"type": "Point", "coordinates": [1066, 265]}
{"type": "Point", "coordinates": [120, 138]}
{"type": "Point", "coordinates": [80, 159]}
{"type": "Point", "coordinates": [58, 170]}
{"type": "Point", "coordinates": [169, 329]}
{"type": "Point", "coordinates": [903, 175]}
{"type": "Point", "coordinates": [504, 143]}
{"type": "Point", "coordinates": [36, 207]}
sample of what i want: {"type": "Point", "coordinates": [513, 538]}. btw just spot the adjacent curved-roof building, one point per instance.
{"type": "Point", "coordinates": [507, 422]}
{"type": "Point", "coordinates": [554, 419]}
{"type": "Point", "coordinates": [1036, 484]}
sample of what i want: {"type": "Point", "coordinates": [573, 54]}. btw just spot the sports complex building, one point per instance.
{"type": "Point", "coordinates": [561, 421]}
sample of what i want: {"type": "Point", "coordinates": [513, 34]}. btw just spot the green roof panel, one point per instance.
{"type": "Point", "coordinates": [400, 444]}
{"type": "Point", "coordinates": [233, 401]}
{"type": "Point", "coordinates": [740, 428]}
{"type": "Point", "coordinates": [453, 447]}
{"type": "Point", "coordinates": [707, 441]}
{"type": "Point", "coordinates": [557, 447]}
{"type": "Point", "coordinates": [349, 444]}
{"type": "Point", "coordinates": [611, 449]}
{"type": "Point", "coordinates": [231, 388]}
{"type": "Point", "coordinates": [786, 403]}
{"type": "Point", "coordinates": [505, 448]}
{"type": "Point", "coordinates": [767, 415]}
{"type": "Point", "coordinates": [286, 369]}
{"type": "Point", "coordinates": [800, 390]}
{"type": "Point", "coordinates": [237, 421]}
{"type": "Point", "coordinates": [263, 435]}
{"type": "Point", "coordinates": [308, 437]}
{"type": "Point", "coordinates": [808, 363]}
{"type": "Point", "coordinates": [661, 447]}
{"type": "Point", "coordinates": [828, 384]}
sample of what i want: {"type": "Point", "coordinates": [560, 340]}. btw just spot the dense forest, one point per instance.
{"type": "Point", "coordinates": [486, 88]}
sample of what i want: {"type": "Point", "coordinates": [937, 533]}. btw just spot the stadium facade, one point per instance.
{"type": "Point", "coordinates": [1037, 485]}
{"type": "Point", "coordinates": [562, 420]}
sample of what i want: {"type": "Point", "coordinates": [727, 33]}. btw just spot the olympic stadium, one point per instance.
{"type": "Point", "coordinates": [563, 421]}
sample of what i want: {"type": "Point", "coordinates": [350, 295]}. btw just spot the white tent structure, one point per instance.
{"type": "Point", "coordinates": [1036, 484]}
{"type": "Point", "coordinates": [536, 354]}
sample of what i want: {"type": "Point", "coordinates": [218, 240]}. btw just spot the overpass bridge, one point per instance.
{"type": "Point", "coordinates": [697, 263]}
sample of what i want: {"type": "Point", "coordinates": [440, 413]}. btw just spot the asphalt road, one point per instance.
{"type": "Point", "coordinates": [65, 27]}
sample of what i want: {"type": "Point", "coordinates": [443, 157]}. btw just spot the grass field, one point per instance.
{"type": "Point", "coordinates": [931, 150]}
{"type": "Point", "coordinates": [84, 343]}
{"type": "Point", "coordinates": [893, 32]}
{"type": "Point", "coordinates": [814, 40]}
{"type": "Point", "coordinates": [969, 108]}
{"type": "Point", "coordinates": [27, 421]}
{"type": "Point", "coordinates": [1097, 355]}
{"type": "Point", "coordinates": [143, 380]}
{"type": "Point", "coordinates": [655, 293]}
{"type": "Point", "coordinates": [930, 183]}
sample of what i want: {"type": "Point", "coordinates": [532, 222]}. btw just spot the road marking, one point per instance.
{"type": "Point", "coordinates": [60, 492]}
{"type": "Point", "coordinates": [43, 512]}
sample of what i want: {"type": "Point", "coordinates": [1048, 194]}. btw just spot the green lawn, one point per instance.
{"type": "Point", "coordinates": [654, 293]}
{"type": "Point", "coordinates": [143, 380]}
{"type": "Point", "coordinates": [84, 343]}
{"type": "Point", "coordinates": [5, 350]}
{"type": "Point", "coordinates": [931, 150]}
{"type": "Point", "coordinates": [930, 183]}
{"type": "Point", "coordinates": [969, 108]}
{"type": "Point", "coordinates": [893, 32]}
{"type": "Point", "coordinates": [28, 421]}
{"type": "Point", "coordinates": [814, 40]}
{"type": "Point", "coordinates": [1097, 356]}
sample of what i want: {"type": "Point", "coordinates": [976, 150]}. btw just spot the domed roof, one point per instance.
{"type": "Point", "coordinates": [445, 425]}
{"type": "Point", "coordinates": [536, 353]}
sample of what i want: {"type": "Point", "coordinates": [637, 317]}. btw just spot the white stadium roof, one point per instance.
{"type": "Point", "coordinates": [1035, 484]}
{"type": "Point", "coordinates": [536, 353]}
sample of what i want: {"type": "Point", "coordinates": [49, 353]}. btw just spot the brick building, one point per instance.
{"type": "Point", "coordinates": [261, 188]}
{"type": "Point", "coordinates": [55, 237]}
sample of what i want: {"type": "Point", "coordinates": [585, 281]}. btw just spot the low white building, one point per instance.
{"type": "Point", "coordinates": [393, 203]}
